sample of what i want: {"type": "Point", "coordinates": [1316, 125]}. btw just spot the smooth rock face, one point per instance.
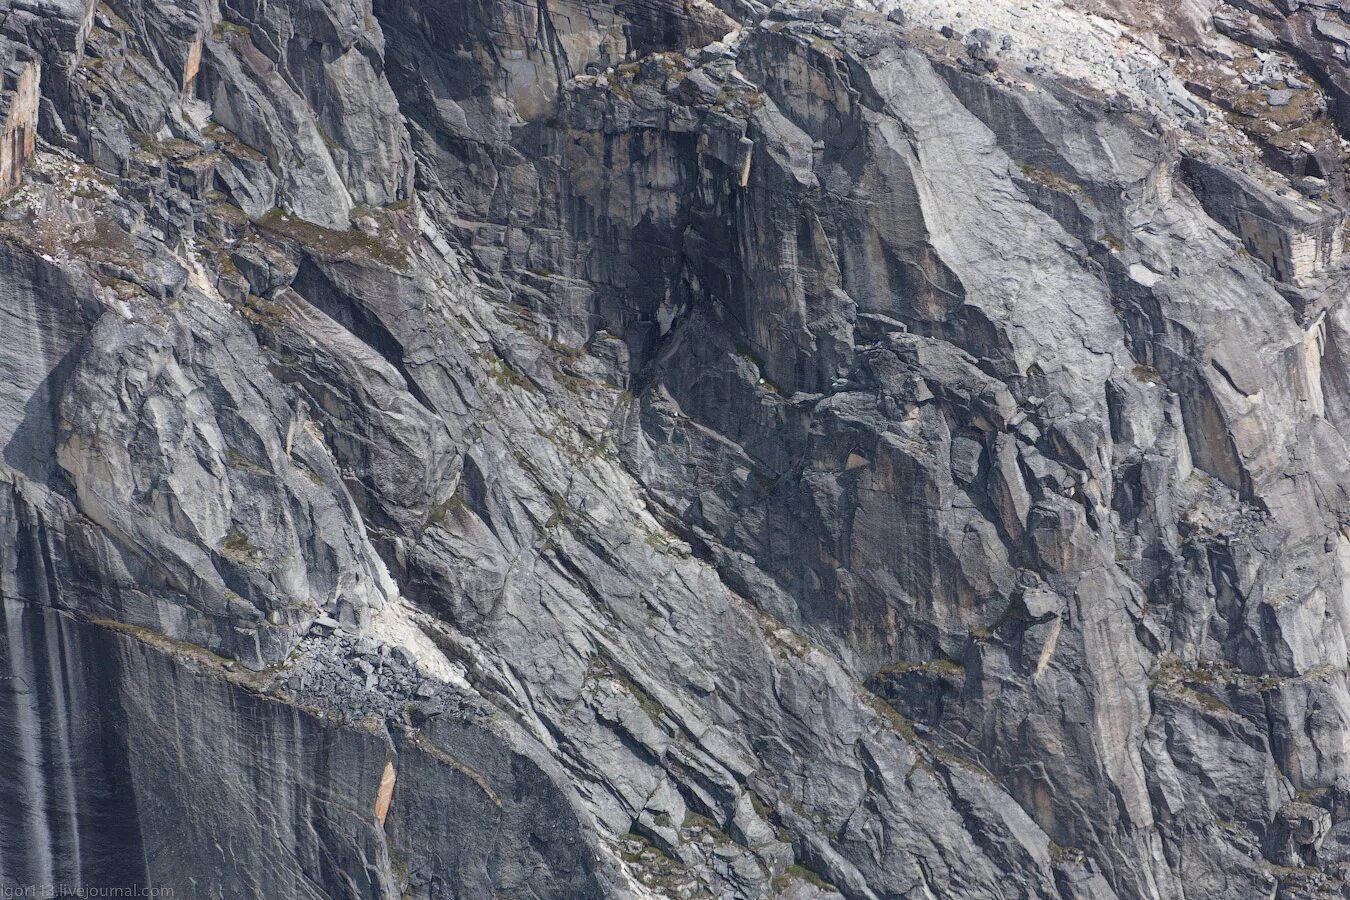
{"type": "Point", "coordinates": [675, 449]}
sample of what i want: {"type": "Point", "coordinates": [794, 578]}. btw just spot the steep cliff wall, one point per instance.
{"type": "Point", "coordinates": [675, 449]}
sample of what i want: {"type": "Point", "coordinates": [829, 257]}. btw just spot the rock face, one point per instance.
{"type": "Point", "coordinates": [675, 448]}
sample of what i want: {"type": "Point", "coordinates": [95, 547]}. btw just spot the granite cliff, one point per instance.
{"type": "Point", "coordinates": [675, 448]}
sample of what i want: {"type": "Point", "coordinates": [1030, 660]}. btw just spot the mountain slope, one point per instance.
{"type": "Point", "coordinates": [675, 449]}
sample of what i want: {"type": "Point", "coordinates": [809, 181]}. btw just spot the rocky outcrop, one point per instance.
{"type": "Point", "coordinates": [669, 448]}
{"type": "Point", "coordinates": [19, 111]}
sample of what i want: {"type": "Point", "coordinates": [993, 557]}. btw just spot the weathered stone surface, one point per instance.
{"type": "Point", "coordinates": [675, 449]}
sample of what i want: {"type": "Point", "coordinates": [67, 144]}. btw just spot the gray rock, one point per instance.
{"type": "Point", "coordinates": [668, 449]}
{"type": "Point", "coordinates": [1279, 97]}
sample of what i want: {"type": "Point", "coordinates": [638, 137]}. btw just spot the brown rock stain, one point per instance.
{"type": "Point", "coordinates": [385, 795]}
